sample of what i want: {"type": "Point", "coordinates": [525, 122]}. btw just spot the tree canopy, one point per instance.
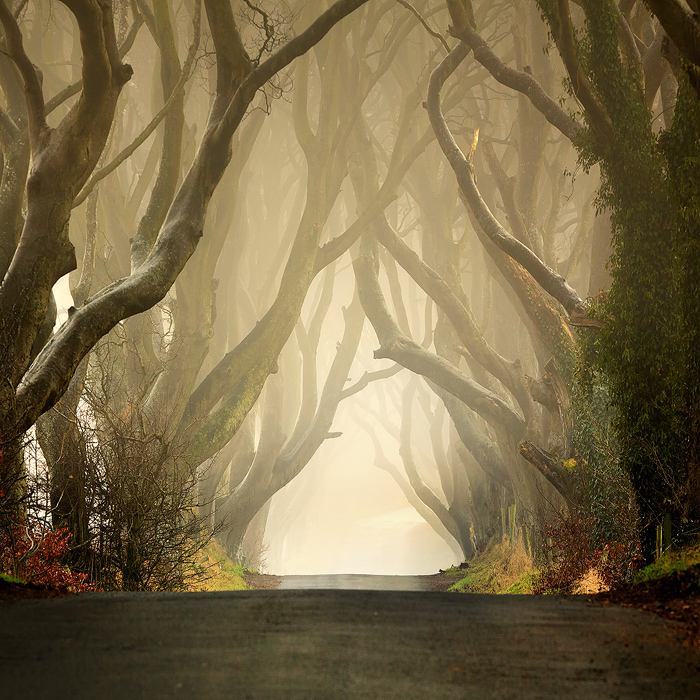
{"type": "Point", "coordinates": [235, 236]}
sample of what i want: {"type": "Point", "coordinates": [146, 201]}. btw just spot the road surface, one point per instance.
{"type": "Point", "coordinates": [355, 582]}
{"type": "Point", "coordinates": [364, 644]}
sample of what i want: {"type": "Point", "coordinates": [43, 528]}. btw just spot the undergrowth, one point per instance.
{"type": "Point", "coordinates": [31, 553]}
{"type": "Point", "coordinates": [217, 572]}
{"type": "Point", "coordinates": [10, 579]}
{"type": "Point", "coordinates": [669, 564]}
{"type": "Point", "coordinates": [572, 552]}
{"type": "Point", "coordinates": [500, 568]}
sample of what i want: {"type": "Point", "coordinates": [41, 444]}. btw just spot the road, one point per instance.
{"type": "Point", "coordinates": [364, 644]}
{"type": "Point", "coordinates": [354, 582]}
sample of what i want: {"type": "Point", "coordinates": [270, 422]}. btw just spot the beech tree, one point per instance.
{"type": "Point", "coordinates": [526, 251]}
{"type": "Point", "coordinates": [346, 81]}
{"type": "Point", "coordinates": [615, 76]}
{"type": "Point", "coordinates": [61, 161]}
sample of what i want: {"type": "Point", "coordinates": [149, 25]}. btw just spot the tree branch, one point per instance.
{"type": "Point", "coordinates": [74, 88]}
{"type": "Point", "coordinates": [101, 64]}
{"type": "Point", "coordinates": [47, 378]}
{"type": "Point", "coordinates": [282, 58]}
{"type": "Point", "coordinates": [553, 283]}
{"type": "Point", "coordinates": [552, 469]}
{"type": "Point", "coordinates": [172, 100]}
{"type": "Point", "coordinates": [367, 378]}
{"type": "Point", "coordinates": [516, 80]}
{"type": "Point", "coordinates": [681, 25]}
{"type": "Point", "coordinates": [32, 83]}
{"type": "Point", "coordinates": [396, 346]}
{"type": "Point", "coordinates": [425, 24]}
{"type": "Point", "coordinates": [564, 37]}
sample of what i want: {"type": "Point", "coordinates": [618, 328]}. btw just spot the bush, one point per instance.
{"type": "Point", "coordinates": [33, 553]}
{"type": "Point", "coordinates": [670, 564]}
{"type": "Point", "coordinates": [119, 478]}
{"type": "Point", "coordinates": [571, 550]}
{"type": "Point", "coordinates": [600, 533]}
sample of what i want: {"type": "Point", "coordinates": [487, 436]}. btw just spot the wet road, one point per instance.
{"type": "Point", "coordinates": [369, 645]}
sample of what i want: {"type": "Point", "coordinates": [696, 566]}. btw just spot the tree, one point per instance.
{"type": "Point", "coordinates": [638, 349]}
{"type": "Point", "coordinates": [62, 160]}
{"type": "Point", "coordinates": [472, 256]}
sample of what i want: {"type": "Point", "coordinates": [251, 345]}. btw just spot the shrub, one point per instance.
{"type": "Point", "coordinates": [118, 477]}
{"type": "Point", "coordinates": [33, 554]}
{"type": "Point", "coordinates": [571, 550]}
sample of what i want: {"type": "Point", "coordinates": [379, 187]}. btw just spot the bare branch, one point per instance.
{"type": "Point", "coordinates": [102, 67]}
{"type": "Point", "coordinates": [282, 58]}
{"type": "Point", "coordinates": [425, 24]}
{"type": "Point", "coordinates": [369, 377]}
{"type": "Point", "coordinates": [32, 83]}
{"type": "Point", "coordinates": [47, 378]}
{"type": "Point", "coordinates": [74, 88]}
{"type": "Point", "coordinates": [553, 283]}
{"type": "Point", "coordinates": [681, 25]}
{"type": "Point", "coordinates": [396, 346]}
{"type": "Point", "coordinates": [516, 80]}
{"type": "Point", "coordinates": [186, 74]}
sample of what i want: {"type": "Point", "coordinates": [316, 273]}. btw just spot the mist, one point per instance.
{"type": "Point", "coordinates": [334, 287]}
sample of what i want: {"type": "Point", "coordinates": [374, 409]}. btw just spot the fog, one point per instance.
{"type": "Point", "coordinates": [360, 353]}
{"type": "Point", "coordinates": [349, 517]}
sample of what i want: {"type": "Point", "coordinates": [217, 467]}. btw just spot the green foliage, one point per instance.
{"type": "Point", "coordinates": [682, 149]}
{"type": "Point", "coordinates": [604, 489]}
{"type": "Point", "coordinates": [638, 349]}
{"type": "Point", "coordinates": [10, 579]}
{"type": "Point", "coordinates": [669, 564]}
{"type": "Point", "coordinates": [645, 363]}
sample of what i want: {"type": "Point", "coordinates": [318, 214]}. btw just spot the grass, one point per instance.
{"type": "Point", "coordinates": [523, 586]}
{"type": "Point", "coordinates": [500, 568]}
{"type": "Point", "coordinates": [219, 573]}
{"type": "Point", "coordinates": [10, 579]}
{"type": "Point", "coordinates": [669, 564]}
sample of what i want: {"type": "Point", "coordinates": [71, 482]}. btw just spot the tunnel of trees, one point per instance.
{"type": "Point", "coordinates": [237, 234]}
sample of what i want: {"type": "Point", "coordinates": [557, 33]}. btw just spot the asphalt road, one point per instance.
{"type": "Point", "coordinates": [301, 644]}
{"type": "Point", "coordinates": [353, 582]}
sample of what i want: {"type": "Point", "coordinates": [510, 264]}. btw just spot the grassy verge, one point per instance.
{"type": "Point", "coordinates": [523, 586]}
{"type": "Point", "coordinates": [682, 565]}
{"type": "Point", "coordinates": [218, 572]}
{"type": "Point", "coordinates": [500, 568]}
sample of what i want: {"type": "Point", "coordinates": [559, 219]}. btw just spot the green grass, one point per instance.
{"type": "Point", "coordinates": [221, 573]}
{"type": "Point", "coordinates": [669, 564]}
{"type": "Point", "coordinates": [10, 579]}
{"type": "Point", "coordinates": [498, 569]}
{"type": "Point", "coordinates": [523, 586]}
